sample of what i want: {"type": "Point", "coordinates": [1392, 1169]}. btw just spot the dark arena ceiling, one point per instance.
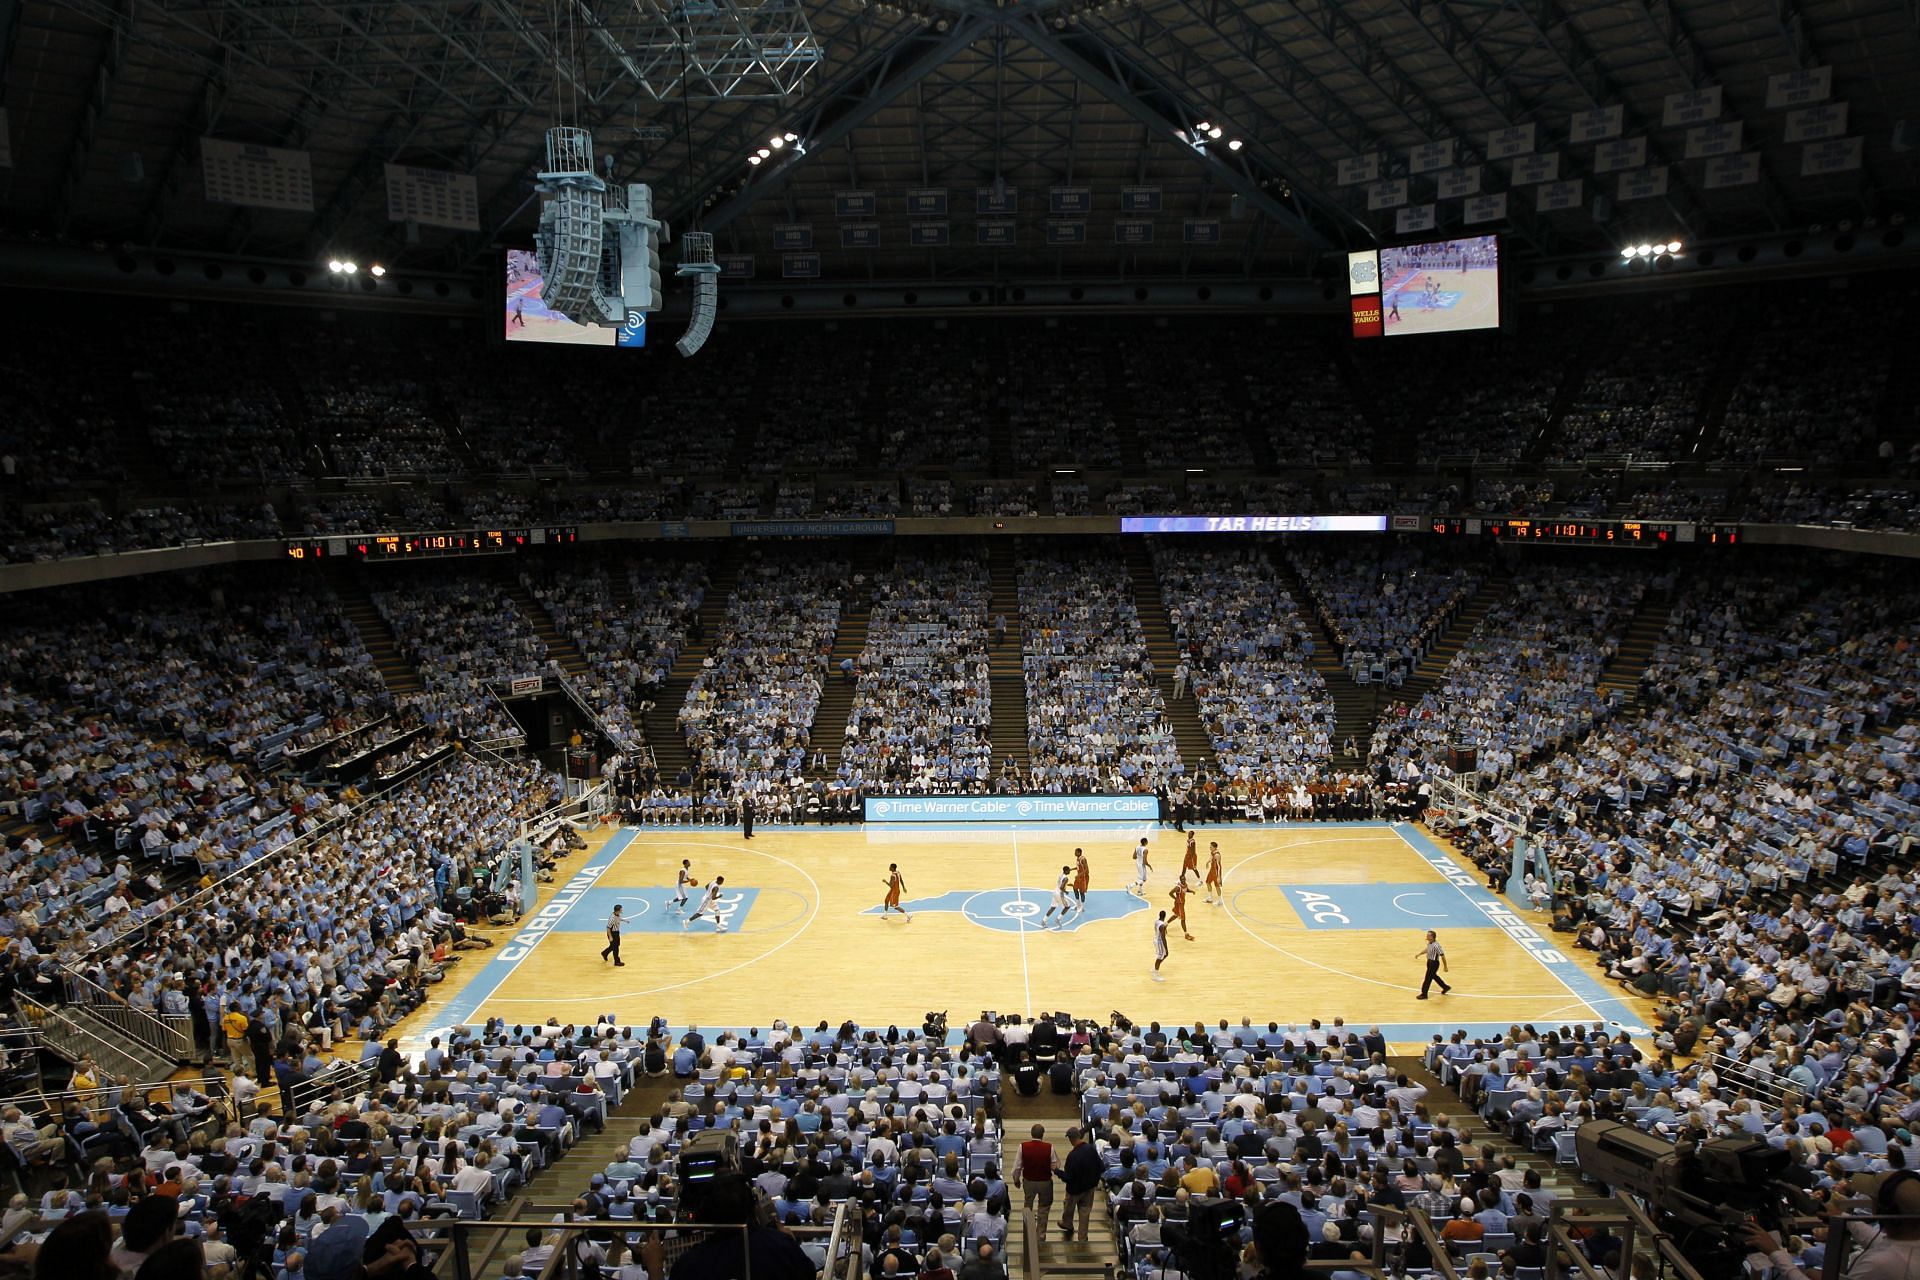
{"type": "Point", "coordinates": [109, 100]}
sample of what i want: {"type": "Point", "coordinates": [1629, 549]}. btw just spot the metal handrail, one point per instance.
{"type": "Point", "coordinates": [340, 1076]}
{"type": "Point", "coordinates": [147, 1029]}
{"type": "Point", "coordinates": [102, 1049]}
{"type": "Point", "coordinates": [56, 1099]}
{"type": "Point", "coordinates": [198, 900]}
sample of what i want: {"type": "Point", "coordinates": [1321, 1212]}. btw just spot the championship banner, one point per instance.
{"type": "Point", "coordinates": [1070, 202]}
{"type": "Point", "coordinates": [1835, 155]}
{"type": "Point", "coordinates": [1505, 144]}
{"type": "Point", "coordinates": [1799, 88]}
{"type": "Point", "coordinates": [995, 202]}
{"type": "Point", "coordinates": [793, 235]}
{"type": "Point", "coordinates": [1706, 141]}
{"type": "Point", "coordinates": [855, 204]}
{"type": "Point", "coordinates": [1528, 170]}
{"type": "Point", "coordinates": [1491, 208]}
{"type": "Point", "coordinates": [1059, 232]}
{"type": "Point", "coordinates": [1415, 217]}
{"type": "Point", "coordinates": [1627, 153]}
{"type": "Point", "coordinates": [1817, 123]}
{"type": "Point", "coordinates": [1457, 184]}
{"type": "Point", "coordinates": [995, 233]}
{"type": "Point", "coordinates": [261, 177]}
{"type": "Point", "coordinates": [860, 235]}
{"type": "Point", "coordinates": [928, 235]}
{"type": "Point", "coordinates": [1431, 156]}
{"type": "Point", "coordinates": [1355, 170]}
{"type": "Point", "coordinates": [1553, 197]}
{"type": "Point", "coordinates": [1597, 124]}
{"type": "Point", "coordinates": [1201, 231]}
{"type": "Point", "coordinates": [1388, 194]}
{"type": "Point", "coordinates": [929, 202]}
{"type": "Point", "coordinates": [1732, 171]}
{"type": "Point", "coordinates": [735, 266]}
{"type": "Point", "coordinates": [1133, 230]}
{"type": "Point", "coordinates": [1644, 184]}
{"type": "Point", "coordinates": [800, 266]}
{"type": "Point", "coordinates": [1695, 107]}
{"type": "Point", "coordinates": [433, 197]}
{"type": "Point", "coordinates": [1140, 199]}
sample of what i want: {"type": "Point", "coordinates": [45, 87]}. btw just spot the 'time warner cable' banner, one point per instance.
{"type": "Point", "coordinates": [1129, 808]}
{"type": "Point", "coordinates": [1367, 321]}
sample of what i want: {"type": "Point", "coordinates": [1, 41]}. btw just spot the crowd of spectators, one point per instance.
{"type": "Point", "coordinates": [1096, 719]}
{"type": "Point", "coordinates": [1247, 651]}
{"type": "Point", "coordinates": [1527, 680]}
{"type": "Point", "coordinates": [1384, 608]}
{"type": "Point", "coordinates": [1644, 386]}
{"type": "Point", "coordinates": [214, 419]}
{"type": "Point", "coordinates": [1052, 420]}
{"type": "Point", "coordinates": [748, 715]}
{"type": "Point", "coordinates": [922, 710]}
{"type": "Point", "coordinates": [629, 623]}
{"type": "Point", "coordinates": [462, 634]}
{"type": "Point", "coordinates": [1297, 396]}
{"type": "Point", "coordinates": [1811, 383]}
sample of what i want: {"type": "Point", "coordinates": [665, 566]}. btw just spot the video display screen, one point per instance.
{"type": "Point", "coordinates": [527, 316]}
{"type": "Point", "coordinates": [1442, 287]}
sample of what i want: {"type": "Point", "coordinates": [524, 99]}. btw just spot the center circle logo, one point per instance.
{"type": "Point", "coordinates": [1020, 908]}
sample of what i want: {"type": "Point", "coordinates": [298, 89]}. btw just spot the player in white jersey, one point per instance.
{"type": "Point", "coordinates": [1159, 947]}
{"type": "Point", "coordinates": [682, 882]}
{"type": "Point", "coordinates": [1062, 897]}
{"type": "Point", "coordinates": [709, 905]}
{"type": "Point", "coordinates": [1140, 868]}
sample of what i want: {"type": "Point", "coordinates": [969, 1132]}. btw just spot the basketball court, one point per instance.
{"type": "Point", "coordinates": [1320, 919]}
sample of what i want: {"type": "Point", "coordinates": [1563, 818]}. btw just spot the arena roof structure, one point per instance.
{"type": "Point", "coordinates": [1252, 138]}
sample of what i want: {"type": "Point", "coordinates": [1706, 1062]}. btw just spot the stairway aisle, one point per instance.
{"type": "Point", "coordinates": [1624, 669]}
{"type": "Point", "coordinates": [356, 602]}
{"type": "Point", "coordinates": [1183, 713]}
{"type": "Point", "coordinates": [1100, 1248]}
{"type": "Point", "coordinates": [560, 646]}
{"type": "Point", "coordinates": [1356, 706]}
{"type": "Point", "coordinates": [829, 731]}
{"type": "Point", "coordinates": [1006, 676]}
{"type": "Point", "coordinates": [662, 724]}
{"type": "Point", "coordinates": [1433, 667]}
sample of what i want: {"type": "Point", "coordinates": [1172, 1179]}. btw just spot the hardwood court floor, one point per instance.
{"type": "Point", "coordinates": [1319, 920]}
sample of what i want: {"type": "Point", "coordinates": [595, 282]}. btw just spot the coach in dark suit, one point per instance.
{"type": "Point", "coordinates": [746, 817]}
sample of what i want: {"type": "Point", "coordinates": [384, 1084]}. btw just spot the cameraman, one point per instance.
{"type": "Point", "coordinates": [1279, 1248]}
{"type": "Point", "coordinates": [774, 1254]}
{"type": "Point", "coordinates": [1883, 1251]}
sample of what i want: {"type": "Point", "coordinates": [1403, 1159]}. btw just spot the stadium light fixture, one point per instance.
{"type": "Point", "coordinates": [1645, 251]}
{"type": "Point", "coordinates": [753, 159]}
{"type": "Point", "coordinates": [791, 137]}
{"type": "Point", "coordinates": [1627, 252]}
{"type": "Point", "coordinates": [776, 142]}
{"type": "Point", "coordinates": [1673, 246]}
{"type": "Point", "coordinates": [1235, 145]}
{"type": "Point", "coordinates": [377, 269]}
{"type": "Point", "coordinates": [1215, 132]}
{"type": "Point", "coordinates": [1202, 127]}
{"type": "Point", "coordinates": [349, 267]}
{"type": "Point", "coordinates": [336, 266]}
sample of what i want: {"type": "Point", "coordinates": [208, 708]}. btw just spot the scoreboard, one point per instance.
{"type": "Point", "coordinates": [388, 548]}
{"type": "Point", "coordinates": [1648, 535]}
